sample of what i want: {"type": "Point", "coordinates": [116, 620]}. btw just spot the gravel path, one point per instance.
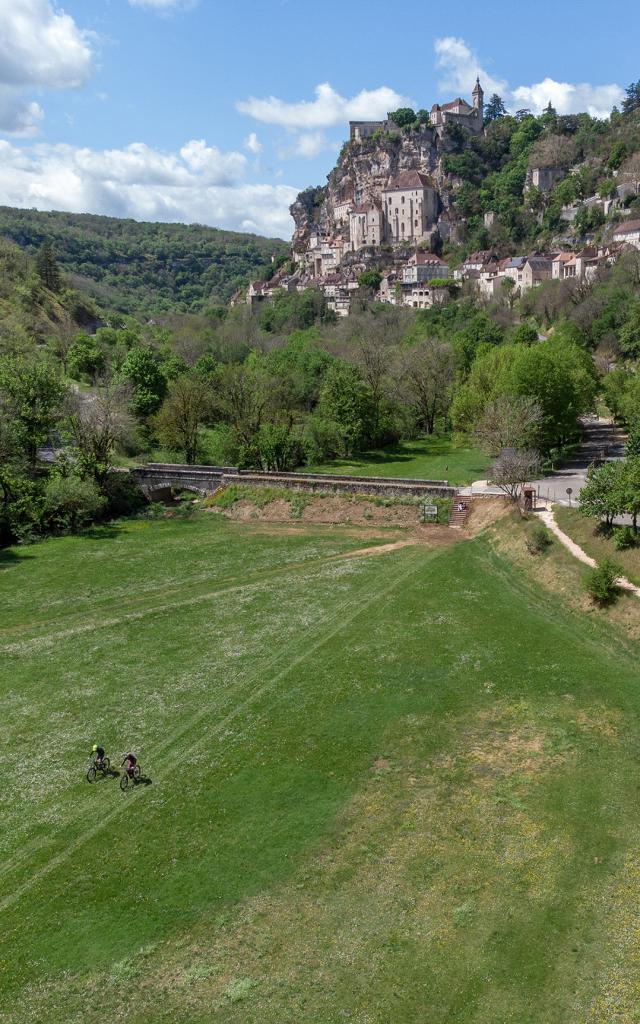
{"type": "Point", "coordinates": [548, 518]}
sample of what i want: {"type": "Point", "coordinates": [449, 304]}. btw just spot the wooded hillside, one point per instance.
{"type": "Point", "coordinates": [145, 268]}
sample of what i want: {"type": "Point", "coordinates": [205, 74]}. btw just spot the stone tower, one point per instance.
{"type": "Point", "coordinates": [478, 96]}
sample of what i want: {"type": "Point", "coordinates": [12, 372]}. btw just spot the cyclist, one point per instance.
{"type": "Point", "coordinates": [98, 755]}
{"type": "Point", "coordinates": [130, 761]}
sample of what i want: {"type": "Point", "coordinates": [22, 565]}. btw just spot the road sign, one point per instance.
{"type": "Point", "coordinates": [569, 492]}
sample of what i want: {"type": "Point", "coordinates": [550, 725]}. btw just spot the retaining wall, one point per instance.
{"type": "Point", "coordinates": [207, 479]}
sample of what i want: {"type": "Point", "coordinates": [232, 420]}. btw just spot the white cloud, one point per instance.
{"type": "Point", "coordinates": [197, 184]}
{"type": "Point", "coordinates": [596, 100]}
{"type": "Point", "coordinates": [165, 6]}
{"type": "Point", "coordinates": [459, 66]}
{"type": "Point", "coordinates": [326, 110]}
{"type": "Point", "coordinates": [307, 145]}
{"type": "Point", "coordinates": [253, 144]}
{"type": "Point", "coordinates": [40, 47]}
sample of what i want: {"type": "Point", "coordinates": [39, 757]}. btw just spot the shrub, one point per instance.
{"type": "Point", "coordinates": [624, 538]}
{"type": "Point", "coordinates": [538, 539]}
{"type": "Point", "coordinates": [124, 497]}
{"type": "Point", "coordinates": [70, 502]}
{"type": "Point", "coordinates": [601, 583]}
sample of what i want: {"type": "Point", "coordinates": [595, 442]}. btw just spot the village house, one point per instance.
{"type": "Point", "coordinates": [563, 265]}
{"type": "Point", "coordinates": [474, 263]}
{"type": "Point", "coordinates": [535, 270]}
{"type": "Point", "coordinates": [514, 269]}
{"type": "Point", "coordinates": [341, 212]}
{"type": "Point", "coordinates": [425, 296]}
{"type": "Point", "coordinates": [423, 266]}
{"type": "Point", "coordinates": [629, 233]}
{"type": "Point", "coordinates": [410, 204]}
{"type": "Point", "coordinates": [366, 226]}
{"type": "Point", "coordinates": [256, 293]}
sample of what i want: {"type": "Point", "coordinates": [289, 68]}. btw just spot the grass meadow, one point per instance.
{"type": "Point", "coordinates": [428, 458]}
{"type": "Point", "coordinates": [387, 789]}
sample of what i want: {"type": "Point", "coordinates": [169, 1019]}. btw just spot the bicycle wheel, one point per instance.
{"type": "Point", "coordinates": [136, 772]}
{"type": "Point", "coordinates": [124, 781]}
{"type": "Point", "coordinates": [106, 765]}
{"type": "Point", "coordinates": [91, 774]}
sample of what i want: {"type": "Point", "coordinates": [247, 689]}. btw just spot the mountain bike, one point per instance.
{"type": "Point", "coordinates": [127, 779]}
{"type": "Point", "coordinates": [104, 767]}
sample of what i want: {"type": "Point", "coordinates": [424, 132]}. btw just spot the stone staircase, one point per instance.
{"type": "Point", "coordinates": [459, 513]}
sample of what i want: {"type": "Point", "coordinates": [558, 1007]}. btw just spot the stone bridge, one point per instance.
{"type": "Point", "coordinates": [157, 477]}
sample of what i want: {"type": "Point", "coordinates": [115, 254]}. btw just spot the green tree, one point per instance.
{"type": "Point", "coordinates": [428, 372]}
{"type": "Point", "coordinates": [370, 279]}
{"type": "Point", "coordinates": [494, 109]}
{"type": "Point", "coordinates": [31, 392]}
{"type": "Point", "coordinates": [345, 401]}
{"type": "Point", "coordinates": [617, 155]}
{"type": "Point", "coordinates": [603, 495]}
{"type": "Point", "coordinates": [403, 116]}
{"type": "Point", "coordinates": [631, 101]}
{"type": "Point", "coordinates": [184, 410]}
{"type": "Point", "coordinates": [85, 358]}
{"type": "Point", "coordinates": [71, 501]}
{"type": "Point", "coordinates": [141, 369]}
{"type": "Point", "coordinates": [632, 447]}
{"type": "Point", "coordinates": [47, 268]}
{"type": "Point", "coordinates": [631, 487]}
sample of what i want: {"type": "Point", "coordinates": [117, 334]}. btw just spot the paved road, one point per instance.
{"type": "Point", "coordinates": [601, 439]}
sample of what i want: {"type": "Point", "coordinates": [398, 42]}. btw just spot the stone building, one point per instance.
{"type": "Point", "coordinates": [535, 270]}
{"type": "Point", "coordinates": [459, 112]}
{"type": "Point", "coordinates": [629, 232]}
{"type": "Point", "coordinates": [366, 226]}
{"type": "Point", "coordinates": [410, 205]}
{"type": "Point", "coordinates": [423, 266]}
{"type": "Point", "coordinates": [544, 178]}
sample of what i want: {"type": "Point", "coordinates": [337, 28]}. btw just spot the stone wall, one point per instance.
{"type": "Point", "coordinates": [207, 480]}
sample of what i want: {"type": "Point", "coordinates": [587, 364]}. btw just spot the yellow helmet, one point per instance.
{"type": "Point", "coordinates": [94, 748]}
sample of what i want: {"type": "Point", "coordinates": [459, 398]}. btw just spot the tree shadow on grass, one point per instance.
{"type": "Point", "coordinates": [10, 557]}
{"type": "Point", "coordinates": [102, 531]}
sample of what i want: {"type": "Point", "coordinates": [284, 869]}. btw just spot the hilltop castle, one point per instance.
{"type": "Point", "coordinates": [458, 111]}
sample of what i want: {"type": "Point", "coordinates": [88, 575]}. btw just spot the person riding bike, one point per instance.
{"type": "Point", "coordinates": [98, 755]}
{"type": "Point", "coordinates": [130, 761]}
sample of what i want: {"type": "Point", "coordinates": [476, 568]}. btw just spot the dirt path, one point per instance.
{"type": "Point", "coordinates": [548, 518]}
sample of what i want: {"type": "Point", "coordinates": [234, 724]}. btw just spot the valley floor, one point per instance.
{"type": "Point", "coordinates": [400, 788]}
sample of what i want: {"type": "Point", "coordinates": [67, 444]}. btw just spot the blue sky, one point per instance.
{"type": "Point", "coordinates": [219, 112]}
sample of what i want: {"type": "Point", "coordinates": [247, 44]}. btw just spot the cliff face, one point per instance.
{"type": "Point", "coordinates": [362, 171]}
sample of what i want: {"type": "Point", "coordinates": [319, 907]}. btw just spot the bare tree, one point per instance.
{"type": "Point", "coordinates": [513, 468]}
{"type": "Point", "coordinates": [630, 171]}
{"type": "Point", "coordinates": [428, 371]}
{"type": "Point", "coordinates": [553, 151]}
{"type": "Point", "coordinates": [98, 423]}
{"type": "Point", "coordinates": [511, 421]}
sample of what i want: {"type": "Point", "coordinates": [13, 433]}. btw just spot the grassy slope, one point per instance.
{"type": "Point", "coordinates": [431, 458]}
{"type": "Point", "coordinates": [397, 788]}
{"type": "Point", "coordinates": [583, 532]}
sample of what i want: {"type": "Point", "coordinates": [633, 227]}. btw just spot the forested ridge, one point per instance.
{"type": "Point", "coordinates": [141, 267]}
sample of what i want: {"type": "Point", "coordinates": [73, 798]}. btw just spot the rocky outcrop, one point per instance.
{"type": "Point", "coordinates": [363, 170]}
